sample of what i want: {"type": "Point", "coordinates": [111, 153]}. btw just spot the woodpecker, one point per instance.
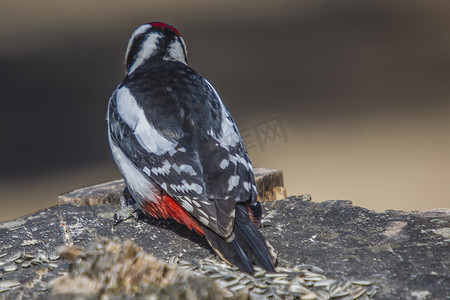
{"type": "Point", "coordinates": [180, 152]}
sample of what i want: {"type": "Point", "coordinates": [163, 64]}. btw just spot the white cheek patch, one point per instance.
{"type": "Point", "coordinates": [140, 30]}
{"type": "Point", "coordinates": [147, 49]}
{"type": "Point", "coordinates": [133, 115]}
{"type": "Point", "coordinates": [176, 51]}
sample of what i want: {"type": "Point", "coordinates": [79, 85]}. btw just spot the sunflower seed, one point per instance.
{"type": "Point", "coordinates": [36, 261]}
{"type": "Point", "coordinates": [313, 278]}
{"type": "Point", "coordinates": [13, 256]}
{"type": "Point", "coordinates": [26, 264]}
{"type": "Point", "coordinates": [325, 282]}
{"type": "Point", "coordinates": [29, 255]}
{"type": "Point", "coordinates": [9, 284]}
{"type": "Point", "coordinates": [277, 275]}
{"type": "Point", "coordinates": [42, 256]}
{"type": "Point", "coordinates": [340, 294]}
{"type": "Point", "coordinates": [238, 287]}
{"type": "Point", "coordinates": [362, 282]}
{"type": "Point", "coordinates": [259, 274]}
{"type": "Point", "coordinates": [371, 291]}
{"type": "Point", "coordinates": [316, 269]}
{"type": "Point", "coordinates": [54, 255]}
{"type": "Point", "coordinates": [299, 289]}
{"type": "Point", "coordinates": [173, 260]}
{"type": "Point", "coordinates": [281, 281]}
{"type": "Point", "coordinates": [228, 283]}
{"type": "Point", "coordinates": [52, 265]}
{"type": "Point", "coordinates": [358, 292]}
{"type": "Point", "coordinates": [346, 285]}
{"type": "Point", "coordinates": [310, 296]}
{"type": "Point", "coordinates": [256, 296]}
{"type": "Point", "coordinates": [9, 267]}
{"type": "Point", "coordinates": [283, 270]}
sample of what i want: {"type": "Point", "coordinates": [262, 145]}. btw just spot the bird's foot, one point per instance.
{"type": "Point", "coordinates": [128, 209]}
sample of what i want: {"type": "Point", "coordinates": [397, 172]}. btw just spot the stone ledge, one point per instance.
{"type": "Point", "coordinates": [404, 253]}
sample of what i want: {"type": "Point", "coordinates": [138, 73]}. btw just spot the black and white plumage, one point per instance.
{"type": "Point", "coordinates": [179, 150]}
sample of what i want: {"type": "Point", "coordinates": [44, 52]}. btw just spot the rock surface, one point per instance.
{"type": "Point", "coordinates": [406, 254]}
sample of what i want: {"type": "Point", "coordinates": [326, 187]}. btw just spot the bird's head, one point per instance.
{"type": "Point", "coordinates": [152, 42]}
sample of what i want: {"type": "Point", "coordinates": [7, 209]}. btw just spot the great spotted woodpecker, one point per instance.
{"type": "Point", "coordinates": [180, 152]}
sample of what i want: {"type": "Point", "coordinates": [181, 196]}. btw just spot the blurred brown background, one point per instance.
{"type": "Point", "coordinates": [360, 88]}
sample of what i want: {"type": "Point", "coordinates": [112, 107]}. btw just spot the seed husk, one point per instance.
{"type": "Point", "coordinates": [13, 257]}
{"type": "Point", "coordinates": [9, 283]}
{"type": "Point", "coordinates": [362, 282]}
{"type": "Point", "coordinates": [9, 267]}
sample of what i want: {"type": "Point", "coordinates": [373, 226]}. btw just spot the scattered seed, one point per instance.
{"type": "Point", "coordinates": [9, 268]}
{"type": "Point", "coordinates": [316, 269]}
{"type": "Point", "coordinates": [300, 282]}
{"type": "Point", "coordinates": [281, 281]}
{"type": "Point", "coordinates": [259, 274]}
{"type": "Point", "coordinates": [13, 256]}
{"type": "Point", "coordinates": [173, 260]}
{"type": "Point", "coordinates": [36, 261]}
{"type": "Point", "coordinates": [277, 275]}
{"type": "Point", "coordinates": [358, 292]}
{"type": "Point", "coordinates": [52, 265]}
{"type": "Point", "coordinates": [325, 282]}
{"type": "Point", "coordinates": [298, 289]}
{"type": "Point", "coordinates": [26, 264]}
{"type": "Point", "coordinates": [3, 254]}
{"type": "Point", "coordinates": [310, 296]}
{"type": "Point", "coordinates": [29, 255]}
{"type": "Point", "coordinates": [9, 283]}
{"type": "Point", "coordinates": [53, 255]}
{"type": "Point", "coordinates": [238, 287]}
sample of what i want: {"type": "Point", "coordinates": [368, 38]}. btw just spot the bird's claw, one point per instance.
{"type": "Point", "coordinates": [128, 209]}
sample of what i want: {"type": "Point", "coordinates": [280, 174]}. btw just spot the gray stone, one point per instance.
{"type": "Point", "coordinates": [406, 254]}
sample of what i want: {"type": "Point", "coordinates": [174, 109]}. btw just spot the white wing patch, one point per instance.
{"type": "Point", "coordinates": [246, 185]}
{"type": "Point", "coordinates": [185, 187]}
{"type": "Point", "coordinates": [229, 138]}
{"type": "Point", "coordinates": [139, 186]}
{"type": "Point", "coordinates": [186, 205]}
{"type": "Point", "coordinates": [146, 171]}
{"type": "Point", "coordinates": [203, 220]}
{"type": "Point", "coordinates": [163, 170]}
{"type": "Point", "coordinates": [235, 159]}
{"type": "Point", "coordinates": [184, 168]}
{"type": "Point", "coordinates": [233, 182]}
{"type": "Point", "coordinates": [224, 163]}
{"type": "Point", "coordinates": [133, 115]}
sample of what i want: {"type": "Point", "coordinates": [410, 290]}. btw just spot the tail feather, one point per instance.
{"type": "Point", "coordinates": [247, 247]}
{"type": "Point", "coordinates": [228, 251]}
{"type": "Point", "coordinates": [250, 238]}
